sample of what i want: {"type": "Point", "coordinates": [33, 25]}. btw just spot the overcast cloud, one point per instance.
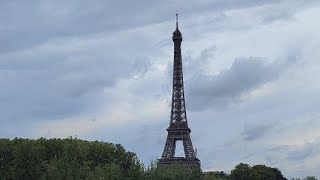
{"type": "Point", "coordinates": [102, 71]}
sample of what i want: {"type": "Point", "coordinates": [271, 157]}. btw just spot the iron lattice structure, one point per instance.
{"type": "Point", "coordinates": [178, 129]}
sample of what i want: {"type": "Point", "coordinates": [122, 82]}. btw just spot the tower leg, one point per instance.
{"type": "Point", "coordinates": [169, 148]}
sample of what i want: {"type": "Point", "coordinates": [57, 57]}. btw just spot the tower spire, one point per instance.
{"type": "Point", "coordinates": [177, 20]}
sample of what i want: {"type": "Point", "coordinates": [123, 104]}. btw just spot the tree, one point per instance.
{"type": "Point", "coordinates": [68, 158]}
{"type": "Point", "coordinates": [263, 172]}
{"type": "Point", "coordinates": [175, 172]}
{"type": "Point", "coordinates": [257, 172]}
{"type": "Point", "coordinates": [215, 175]}
{"type": "Point", "coordinates": [72, 158]}
{"type": "Point", "coordinates": [6, 158]}
{"type": "Point", "coordinates": [310, 178]}
{"type": "Point", "coordinates": [278, 173]}
{"type": "Point", "coordinates": [107, 171]}
{"type": "Point", "coordinates": [242, 172]}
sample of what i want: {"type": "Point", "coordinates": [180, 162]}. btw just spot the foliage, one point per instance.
{"type": "Point", "coordinates": [215, 175]}
{"type": "Point", "coordinates": [310, 178]}
{"type": "Point", "coordinates": [176, 172]}
{"type": "Point", "coordinates": [71, 158]}
{"type": "Point", "coordinates": [241, 172]}
{"type": "Point", "coordinates": [306, 178]}
{"type": "Point", "coordinates": [258, 172]}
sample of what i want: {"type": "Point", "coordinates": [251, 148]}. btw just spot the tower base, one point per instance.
{"type": "Point", "coordinates": [190, 163]}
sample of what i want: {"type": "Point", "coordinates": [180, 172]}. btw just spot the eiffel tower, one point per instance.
{"type": "Point", "coordinates": [178, 129]}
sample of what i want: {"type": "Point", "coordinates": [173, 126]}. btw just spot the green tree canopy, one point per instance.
{"type": "Point", "coordinates": [68, 158]}
{"type": "Point", "coordinates": [258, 172]}
{"type": "Point", "coordinates": [72, 158]}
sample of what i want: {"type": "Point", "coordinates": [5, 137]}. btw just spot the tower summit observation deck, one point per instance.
{"type": "Point", "coordinates": [178, 129]}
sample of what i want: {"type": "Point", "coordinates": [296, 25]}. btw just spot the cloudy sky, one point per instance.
{"type": "Point", "coordinates": [101, 70]}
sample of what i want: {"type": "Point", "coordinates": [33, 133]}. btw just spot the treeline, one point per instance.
{"type": "Point", "coordinates": [73, 158]}
{"type": "Point", "coordinates": [69, 158]}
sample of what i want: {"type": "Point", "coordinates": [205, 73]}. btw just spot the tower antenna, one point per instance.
{"type": "Point", "coordinates": [177, 20]}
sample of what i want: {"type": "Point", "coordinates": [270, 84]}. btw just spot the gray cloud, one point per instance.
{"type": "Point", "coordinates": [58, 80]}
{"type": "Point", "coordinates": [254, 131]}
{"type": "Point", "coordinates": [39, 22]}
{"type": "Point", "coordinates": [303, 152]}
{"type": "Point", "coordinates": [140, 66]}
{"type": "Point", "coordinates": [227, 87]}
